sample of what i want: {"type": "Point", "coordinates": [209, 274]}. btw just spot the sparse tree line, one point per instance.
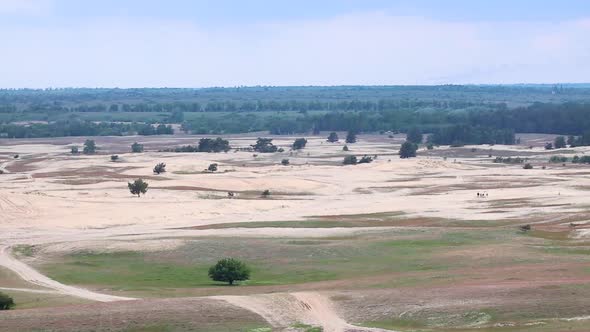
{"type": "Point", "coordinates": [82, 128]}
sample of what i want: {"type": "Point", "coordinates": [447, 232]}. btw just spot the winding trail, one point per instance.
{"type": "Point", "coordinates": [31, 275]}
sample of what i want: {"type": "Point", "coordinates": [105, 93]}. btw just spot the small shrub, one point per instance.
{"type": "Point", "coordinates": [212, 167]}
{"type": "Point", "coordinates": [1, 171]}
{"type": "Point", "coordinates": [136, 147]}
{"type": "Point", "coordinates": [266, 193]}
{"type": "Point", "coordinates": [408, 150]}
{"type": "Point", "coordinates": [333, 137]}
{"type": "Point", "coordinates": [285, 162]}
{"type": "Point", "coordinates": [6, 302]}
{"type": "Point", "coordinates": [281, 150]}
{"type": "Point", "coordinates": [549, 146]}
{"type": "Point", "coordinates": [74, 150]}
{"type": "Point", "coordinates": [299, 144]}
{"type": "Point", "coordinates": [89, 147]}
{"type": "Point", "coordinates": [160, 168]}
{"type": "Point", "coordinates": [16, 156]}
{"type": "Point", "coordinates": [114, 157]}
{"type": "Point", "coordinates": [525, 228]}
{"type": "Point", "coordinates": [557, 159]}
{"type": "Point", "coordinates": [351, 137]}
{"type": "Point", "coordinates": [345, 148]}
{"type": "Point", "coordinates": [527, 166]}
{"type": "Point", "coordinates": [365, 160]}
{"type": "Point", "coordinates": [429, 146]}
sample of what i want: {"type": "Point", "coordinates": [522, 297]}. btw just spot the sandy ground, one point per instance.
{"type": "Point", "coordinates": [67, 203]}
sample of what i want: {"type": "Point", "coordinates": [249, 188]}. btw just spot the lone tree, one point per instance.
{"type": "Point", "coordinates": [408, 150]}
{"type": "Point", "coordinates": [229, 270]}
{"type": "Point", "coordinates": [212, 168]}
{"type": "Point", "coordinates": [559, 142]}
{"type": "Point", "coordinates": [136, 147]}
{"type": "Point", "coordinates": [265, 145]}
{"type": "Point", "coordinates": [160, 168]}
{"type": "Point", "coordinates": [414, 135]}
{"type": "Point", "coordinates": [89, 147]}
{"type": "Point", "coordinates": [6, 302]}
{"type": "Point", "coordinates": [333, 137]}
{"type": "Point", "coordinates": [138, 187]}
{"type": "Point", "coordinates": [299, 143]}
{"type": "Point", "coordinates": [351, 137]}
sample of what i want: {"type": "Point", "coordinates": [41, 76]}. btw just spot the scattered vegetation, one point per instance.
{"type": "Point", "coordinates": [212, 167]}
{"type": "Point", "coordinates": [264, 145]}
{"type": "Point", "coordinates": [333, 137]}
{"type": "Point", "coordinates": [136, 147]}
{"type": "Point", "coordinates": [299, 144]}
{"type": "Point", "coordinates": [350, 160]}
{"type": "Point", "coordinates": [509, 160]}
{"type": "Point", "coordinates": [89, 147]}
{"type": "Point", "coordinates": [6, 302]}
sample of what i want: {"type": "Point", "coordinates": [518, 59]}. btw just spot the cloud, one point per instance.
{"type": "Point", "coordinates": [364, 48]}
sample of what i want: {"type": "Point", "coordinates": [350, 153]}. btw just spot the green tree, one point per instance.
{"type": "Point", "coordinates": [549, 146]}
{"type": "Point", "coordinates": [229, 270]}
{"type": "Point", "coordinates": [265, 145]}
{"type": "Point", "coordinates": [6, 302]}
{"type": "Point", "coordinates": [351, 137]}
{"type": "Point", "coordinates": [136, 147]}
{"type": "Point", "coordinates": [212, 167]}
{"type": "Point", "coordinates": [299, 143]}
{"type": "Point", "coordinates": [160, 168]}
{"type": "Point", "coordinates": [333, 137]}
{"type": "Point", "coordinates": [285, 162]}
{"type": "Point", "coordinates": [414, 135]}
{"type": "Point", "coordinates": [408, 150]}
{"type": "Point", "coordinates": [559, 142]}
{"type": "Point", "coordinates": [74, 150]}
{"type": "Point", "coordinates": [89, 147]}
{"type": "Point", "coordinates": [138, 187]}
{"type": "Point", "coordinates": [114, 157]}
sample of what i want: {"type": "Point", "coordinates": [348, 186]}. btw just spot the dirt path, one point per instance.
{"type": "Point", "coordinates": [31, 275]}
{"type": "Point", "coordinates": [286, 309]}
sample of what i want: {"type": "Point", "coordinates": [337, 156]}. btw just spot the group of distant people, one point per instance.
{"type": "Point", "coordinates": [482, 195]}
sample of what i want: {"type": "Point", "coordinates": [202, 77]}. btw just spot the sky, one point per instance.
{"type": "Point", "coordinates": [200, 43]}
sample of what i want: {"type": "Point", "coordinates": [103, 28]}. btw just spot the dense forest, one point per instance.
{"type": "Point", "coordinates": [452, 114]}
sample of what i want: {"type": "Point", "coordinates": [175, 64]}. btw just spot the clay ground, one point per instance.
{"type": "Point", "coordinates": [403, 245]}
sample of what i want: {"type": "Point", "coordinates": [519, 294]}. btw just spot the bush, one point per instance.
{"type": "Point", "coordinates": [114, 157]}
{"type": "Point", "coordinates": [333, 137]}
{"type": "Point", "coordinates": [429, 146]}
{"type": "Point", "coordinates": [229, 270]}
{"type": "Point", "coordinates": [160, 168]}
{"type": "Point", "coordinates": [365, 160]}
{"type": "Point", "coordinates": [136, 147]}
{"type": "Point", "coordinates": [527, 166]}
{"type": "Point", "coordinates": [408, 150]}
{"type": "Point", "coordinates": [266, 193]}
{"type": "Point", "coordinates": [1, 171]}
{"type": "Point", "coordinates": [74, 150]}
{"type": "Point", "coordinates": [509, 160]}
{"type": "Point", "coordinates": [6, 302]}
{"type": "Point", "coordinates": [349, 160]}
{"type": "Point", "coordinates": [559, 142]}
{"type": "Point", "coordinates": [285, 162]}
{"type": "Point", "coordinates": [16, 156]}
{"type": "Point", "coordinates": [548, 146]}
{"type": "Point", "coordinates": [581, 160]}
{"type": "Point", "coordinates": [138, 187]}
{"type": "Point", "coordinates": [212, 167]}
{"type": "Point", "coordinates": [299, 144]}
{"type": "Point", "coordinates": [345, 148]}
{"type": "Point", "coordinates": [89, 147]}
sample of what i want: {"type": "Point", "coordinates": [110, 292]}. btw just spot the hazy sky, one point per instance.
{"type": "Point", "coordinates": [198, 43]}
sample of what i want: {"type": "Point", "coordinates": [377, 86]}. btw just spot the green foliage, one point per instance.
{"type": "Point", "coordinates": [549, 146]}
{"type": "Point", "coordinates": [136, 147]}
{"type": "Point", "coordinates": [558, 159]}
{"type": "Point", "coordinates": [509, 160]}
{"type": "Point", "coordinates": [299, 143]}
{"type": "Point", "coordinates": [6, 302]}
{"type": "Point", "coordinates": [213, 145]}
{"type": "Point", "coordinates": [266, 193]}
{"type": "Point", "coordinates": [229, 270]}
{"type": "Point", "coordinates": [366, 160]}
{"type": "Point", "coordinates": [414, 135]}
{"type": "Point", "coordinates": [351, 137]}
{"type": "Point", "coordinates": [74, 150]}
{"type": "Point", "coordinates": [264, 145]}
{"type": "Point", "coordinates": [333, 137]}
{"type": "Point", "coordinates": [285, 162]}
{"type": "Point", "coordinates": [114, 157]}
{"type": "Point", "coordinates": [345, 148]}
{"type": "Point", "coordinates": [160, 168]}
{"type": "Point", "coordinates": [527, 166]}
{"type": "Point", "coordinates": [89, 147]}
{"type": "Point", "coordinates": [559, 142]}
{"type": "Point", "coordinates": [581, 160]}
{"type": "Point", "coordinates": [430, 146]}
{"type": "Point", "coordinates": [459, 135]}
{"type": "Point", "coordinates": [408, 150]}
{"type": "Point", "coordinates": [212, 167]}
{"type": "Point", "coordinates": [138, 187]}
{"type": "Point", "coordinates": [350, 160]}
